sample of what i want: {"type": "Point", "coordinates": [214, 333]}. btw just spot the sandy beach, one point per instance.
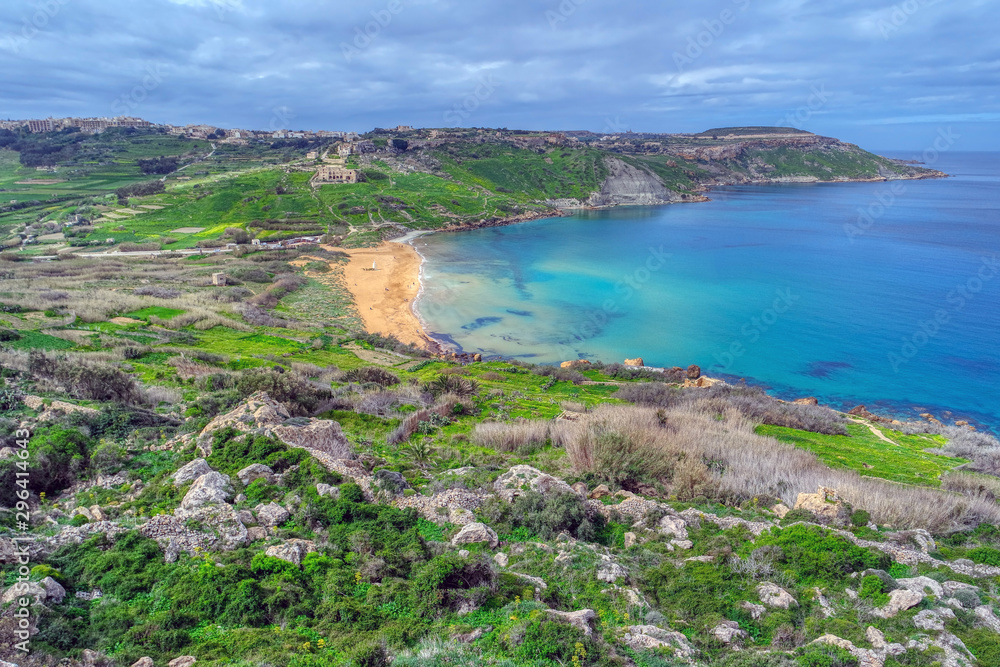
{"type": "Point", "coordinates": [384, 297]}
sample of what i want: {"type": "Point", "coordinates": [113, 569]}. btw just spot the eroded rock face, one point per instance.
{"type": "Point", "coordinates": [576, 363]}
{"type": "Point", "coordinates": [824, 504]}
{"type": "Point", "coordinates": [54, 592]}
{"type": "Point", "coordinates": [476, 533]}
{"type": "Point", "coordinates": [292, 551]}
{"type": "Point", "coordinates": [512, 483]}
{"type": "Point", "coordinates": [775, 596]}
{"type": "Point", "coordinates": [637, 362]}
{"type": "Point", "coordinates": [212, 488]}
{"type": "Point", "coordinates": [191, 471]}
{"type": "Point", "coordinates": [631, 186]}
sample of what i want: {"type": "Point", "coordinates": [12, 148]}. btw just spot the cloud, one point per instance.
{"type": "Point", "coordinates": [355, 65]}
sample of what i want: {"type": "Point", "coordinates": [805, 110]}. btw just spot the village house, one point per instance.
{"type": "Point", "coordinates": [335, 174]}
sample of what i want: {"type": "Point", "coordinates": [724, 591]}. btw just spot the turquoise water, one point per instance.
{"type": "Point", "coordinates": [791, 287]}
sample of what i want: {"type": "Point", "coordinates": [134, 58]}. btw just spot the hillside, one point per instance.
{"type": "Point", "coordinates": [140, 190]}
{"type": "Point", "coordinates": [236, 475]}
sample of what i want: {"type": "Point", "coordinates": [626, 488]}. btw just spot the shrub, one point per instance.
{"type": "Point", "coordinates": [372, 374]}
{"type": "Point", "coordinates": [860, 518]}
{"type": "Point", "coordinates": [8, 335]}
{"type": "Point", "coordinates": [872, 589]}
{"type": "Point", "coordinates": [297, 394]}
{"type": "Point", "coordinates": [522, 436]}
{"type": "Point", "coordinates": [814, 554]}
{"type": "Point", "coordinates": [619, 445]}
{"type": "Point", "coordinates": [985, 556]}
{"type": "Point", "coordinates": [108, 458]}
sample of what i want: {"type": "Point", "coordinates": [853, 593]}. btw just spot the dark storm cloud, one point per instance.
{"type": "Point", "coordinates": [887, 74]}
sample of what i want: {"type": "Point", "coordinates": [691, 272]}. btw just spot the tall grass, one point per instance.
{"type": "Point", "coordinates": [512, 437]}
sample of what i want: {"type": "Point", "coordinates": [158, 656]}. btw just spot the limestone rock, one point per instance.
{"type": "Point", "coordinates": [682, 544]}
{"type": "Point", "coordinates": [143, 662]}
{"type": "Point", "coordinates": [693, 372]}
{"type": "Point", "coordinates": [582, 619]}
{"type": "Point", "coordinates": [511, 484]}
{"type": "Point", "coordinates": [501, 559]}
{"type": "Point", "coordinates": [988, 618]}
{"type": "Point", "coordinates": [824, 504]}
{"type": "Point", "coordinates": [256, 534]}
{"type": "Point", "coordinates": [254, 472]}
{"type": "Point", "coordinates": [600, 492]}
{"type": "Point", "coordinates": [630, 540]}
{"type": "Point", "coordinates": [212, 488]}
{"type": "Point", "coordinates": [647, 637]}
{"type": "Point", "coordinates": [780, 510]}
{"type": "Point", "coordinates": [327, 491]}
{"type": "Point", "coordinates": [611, 572]}
{"type": "Point", "coordinates": [673, 525]}
{"type": "Point", "coordinates": [271, 515]}
{"type": "Point", "coordinates": [191, 471]}
{"type": "Point", "coordinates": [952, 587]}
{"type": "Point", "coordinates": [54, 592]}
{"type": "Point", "coordinates": [728, 632]}
{"type": "Point", "coordinates": [922, 585]}
{"type": "Point", "coordinates": [98, 513]}
{"type": "Point", "coordinates": [900, 600]}
{"type": "Point", "coordinates": [929, 621]}
{"type": "Point", "coordinates": [756, 611]}
{"type": "Point", "coordinates": [320, 435]}
{"type": "Point", "coordinates": [28, 589]}
{"type": "Point", "coordinates": [637, 362]}
{"type": "Point", "coordinates": [292, 551]}
{"type": "Point", "coordinates": [85, 513]}
{"type": "Point", "coordinates": [811, 400]}
{"type": "Point", "coordinates": [183, 661]}
{"type": "Point", "coordinates": [576, 363]}
{"type": "Point", "coordinates": [581, 489]}
{"type": "Point", "coordinates": [476, 533]}
{"type": "Point", "coordinates": [774, 596]}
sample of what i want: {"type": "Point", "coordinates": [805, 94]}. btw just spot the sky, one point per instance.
{"type": "Point", "coordinates": [891, 76]}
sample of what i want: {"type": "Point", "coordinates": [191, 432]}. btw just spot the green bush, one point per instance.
{"type": "Point", "coordinates": [825, 655]}
{"type": "Point", "coordinates": [79, 520]}
{"type": "Point", "coordinates": [985, 556]}
{"type": "Point", "coordinates": [794, 516]}
{"type": "Point", "coordinates": [816, 555]}
{"type": "Point", "coordinates": [108, 458]}
{"type": "Point", "coordinates": [860, 518]}
{"type": "Point", "coordinates": [872, 588]}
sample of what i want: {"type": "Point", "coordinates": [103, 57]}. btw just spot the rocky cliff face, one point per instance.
{"type": "Point", "coordinates": [631, 186]}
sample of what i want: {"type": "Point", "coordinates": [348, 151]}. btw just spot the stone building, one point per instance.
{"type": "Point", "coordinates": [335, 174]}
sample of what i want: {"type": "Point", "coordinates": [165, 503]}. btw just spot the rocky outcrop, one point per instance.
{"type": "Point", "coordinates": [271, 515]}
{"type": "Point", "coordinates": [775, 596]}
{"type": "Point", "coordinates": [637, 362]}
{"type": "Point", "coordinates": [212, 488]}
{"type": "Point", "coordinates": [899, 600]}
{"type": "Point", "coordinates": [650, 637]}
{"type": "Point", "coordinates": [190, 472]}
{"type": "Point", "coordinates": [292, 551]}
{"type": "Point", "coordinates": [583, 619]}
{"type": "Point", "coordinates": [631, 185]}
{"type": "Point", "coordinates": [575, 364]}
{"type": "Point", "coordinates": [254, 472]}
{"type": "Point", "coordinates": [825, 505]}
{"type": "Point", "coordinates": [476, 533]}
{"type": "Point", "coordinates": [515, 481]}
{"type": "Point", "coordinates": [183, 661]}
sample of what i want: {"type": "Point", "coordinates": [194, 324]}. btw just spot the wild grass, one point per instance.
{"type": "Point", "coordinates": [521, 436]}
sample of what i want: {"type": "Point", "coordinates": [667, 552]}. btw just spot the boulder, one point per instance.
{"type": "Point", "coordinates": [928, 621]}
{"type": "Point", "coordinates": [824, 504]}
{"type": "Point", "coordinates": [673, 525]}
{"type": "Point", "coordinates": [54, 592]}
{"type": "Point", "coordinates": [191, 471]}
{"type": "Point", "coordinates": [501, 559]}
{"type": "Point", "coordinates": [476, 533]}
{"type": "Point", "coordinates": [780, 510]}
{"type": "Point", "coordinates": [143, 662]}
{"type": "Point", "coordinates": [611, 572]}
{"type": "Point", "coordinates": [98, 513]}
{"type": "Point", "coordinates": [85, 513]}
{"type": "Point", "coordinates": [327, 491]}
{"type": "Point", "coordinates": [728, 632]}
{"type": "Point", "coordinates": [988, 618]}
{"type": "Point", "coordinates": [183, 661]}
{"type": "Point", "coordinates": [29, 589]}
{"type": "Point", "coordinates": [391, 481]}
{"type": "Point", "coordinates": [693, 372]}
{"type": "Point", "coordinates": [583, 619]}
{"type": "Point", "coordinates": [512, 483]}
{"type": "Point", "coordinates": [292, 551]}
{"type": "Point", "coordinates": [811, 400]}
{"type": "Point", "coordinates": [923, 585]}
{"type": "Point", "coordinates": [254, 472]}
{"type": "Point", "coordinates": [212, 488]}
{"type": "Point", "coordinates": [576, 363]}
{"type": "Point", "coordinates": [650, 637]}
{"type": "Point", "coordinates": [756, 611]}
{"type": "Point", "coordinates": [601, 491]}
{"type": "Point", "coordinates": [271, 515]}
{"type": "Point", "coordinates": [631, 540]}
{"type": "Point", "coordinates": [320, 435]}
{"type": "Point", "coordinates": [8, 550]}
{"type": "Point", "coordinates": [581, 489]}
{"type": "Point", "coordinates": [899, 600]}
{"type": "Point", "coordinates": [776, 597]}
{"type": "Point", "coordinates": [256, 534]}
{"type": "Point", "coordinates": [637, 362]}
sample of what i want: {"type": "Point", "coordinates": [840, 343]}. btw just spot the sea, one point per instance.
{"type": "Point", "coordinates": [884, 294]}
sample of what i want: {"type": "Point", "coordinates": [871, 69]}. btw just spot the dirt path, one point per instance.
{"type": "Point", "coordinates": [878, 434]}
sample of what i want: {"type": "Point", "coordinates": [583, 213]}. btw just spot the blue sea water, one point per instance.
{"type": "Point", "coordinates": [886, 294]}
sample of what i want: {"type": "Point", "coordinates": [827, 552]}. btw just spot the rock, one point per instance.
{"type": "Point", "coordinates": [292, 551]}
{"type": "Point", "coordinates": [600, 492]}
{"type": "Point", "coordinates": [988, 618]}
{"type": "Point", "coordinates": [143, 662]}
{"type": "Point", "coordinates": [464, 553]}
{"type": "Point", "coordinates": [391, 481]}
{"type": "Point", "coordinates": [501, 559]}
{"type": "Point", "coordinates": [922, 585]}
{"type": "Point", "coordinates": [576, 363]}
{"type": "Point", "coordinates": [611, 572]}
{"type": "Point", "coordinates": [256, 534]}
{"type": "Point", "coordinates": [98, 513]}
{"type": "Point", "coordinates": [931, 418]}
{"type": "Point", "coordinates": [476, 533]}
{"type": "Point", "coordinates": [630, 540]}
{"type": "Point", "coordinates": [212, 488]}
{"type": "Point", "coordinates": [756, 611]}
{"type": "Point", "coordinates": [254, 472]}
{"type": "Point", "coordinates": [183, 661]}
{"type": "Point", "coordinates": [511, 484]}
{"type": "Point", "coordinates": [271, 515]}
{"type": "Point", "coordinates": [824, 604]}
{"type": "Point", "coordinates": [93, 658]}
{"type": "Point", "coordinates": [774, 596]}
{"type": "Point", "coordinates": [191, 471]}
{"type": "Point", "coordinates": [876, 638]}
{"type": "Point", "coordinates": [700, 559]}
{"type": "Point", "coordinates": [54, 592]}
{"type": "Point", "coordinates": [728, 632]}
{"type": "Point", "coordinates": [650, 637]}
{"type": "Point", "coordinates": [673, 525]}
{"type": "Point", "coordinates": [811, 400]}
{"type": "Point", "coordinates": [581, 489]}
{"type": "Point", "coordinates": [862, 411]}
{"type": "Point", "coordinates": [327, 491]}
{"type": "Point", "coordinates": [30, 589]}
{"type": "Point", "coordinates": [682, 544]}
{"type": "Point", "coordinates": [780, 510]}
{"type": "Point", "coordinates": [951, 587]}
{"type": "Point", "coordinates": [247, 518]}
{"type": "Point", "coordinates": [637, 362]}
{"type": "Point", "coordinates": [582, 619]}
{"type": "Point", "coordinates": [85, 513]}
{"type": "Point", "coordinates": [8, 550]}
{"type": "Point", "coordinates": [240, 498]}
{"type": "Point", "coordinates": [824, 504]}
{"type": "Point", "coordinates": [900, 600]}
{"type": "Point", "coordinates": [693, 372]}
{"type": "Point", "coordinates": [929, 621]}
